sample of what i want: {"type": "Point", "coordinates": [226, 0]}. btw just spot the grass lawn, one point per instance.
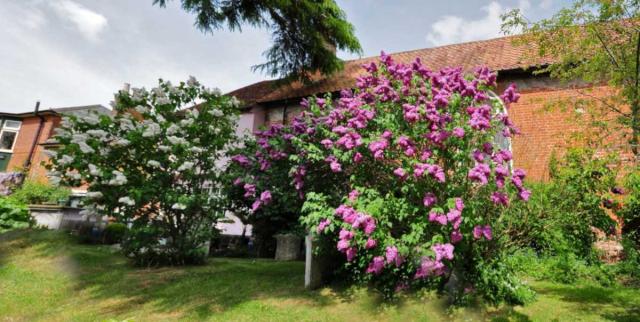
{"type": "Point", "coordinates": [46, 275]}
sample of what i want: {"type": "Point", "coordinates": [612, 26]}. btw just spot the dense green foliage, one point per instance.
{"type": "Point", "coordinates": [114, 233]}
{"type": "Point", "coordinates": [13, 215]}
{"type": "Point", "coordinates": [305, 33]}
{"type": "Point", "coordinates": [597, 41]}
{"type": "Point", "coordinates": [37, 192]}
{"type": "Point", "coordinates": [559, 216]}
{"type": "Point", "coordinates": [631, 209]}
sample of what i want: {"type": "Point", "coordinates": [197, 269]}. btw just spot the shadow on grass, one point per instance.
{"type": "Point", "coordinates": [611, 303]}
{"type": "Point", "coordinates": [47, 243]}
{"type": "Point", "coordinates": [204, 290]}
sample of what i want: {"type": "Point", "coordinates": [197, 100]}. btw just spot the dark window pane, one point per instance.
{"type": "Point", "coordinates": [6, 140]}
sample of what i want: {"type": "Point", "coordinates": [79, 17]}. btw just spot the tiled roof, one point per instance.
{"type": "Point", "coordinates": [498, 54]}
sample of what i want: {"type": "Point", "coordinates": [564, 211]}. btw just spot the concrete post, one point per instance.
{"type": "Point", "coordinates": [313, 265]}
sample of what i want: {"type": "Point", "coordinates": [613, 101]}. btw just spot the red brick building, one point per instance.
{"type": "Point", "coordinates": [23, 138]}
{"type": "Point", "coordinates": [543, 131]}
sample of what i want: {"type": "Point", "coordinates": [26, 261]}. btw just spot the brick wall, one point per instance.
{"type": "Point", "coordinates": [548, 119]}
{"type": "Point", "coordinates": [24, 141]}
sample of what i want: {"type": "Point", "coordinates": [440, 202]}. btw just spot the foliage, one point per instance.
{"type": "Point", "coordinates": [416, 149]}
{"type": "Point", "coordinates": [559, 216]}
{"type": "Point", "coordinates": [153, 166]}
{"type": "Point", "coordinates": [564, 268]}
{"type": "Point", "coordinates": [630, 265]}
{"type": "Point", "coordinates": [13, 215]}
{"type": "Point", "coordinates": [266, 181]}
{"type": "Point", "coordinates": [37, 192]}
{"type": "Point", "coordinates": [630, 212]}
{"type": "Point", "coordinates": [595, 41]}
{"type": "Point", "coordinates": [114, 233]}
{"type": "Point", "coordinates": [305, 33]}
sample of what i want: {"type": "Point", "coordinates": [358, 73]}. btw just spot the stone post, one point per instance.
{"type": "Point", "coordinates": [288, 247]}
{"type": "Point", "coordinates": [312, 266]}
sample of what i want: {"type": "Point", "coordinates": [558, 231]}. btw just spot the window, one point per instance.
{"type": "Point", "coordinates": [8, 135]}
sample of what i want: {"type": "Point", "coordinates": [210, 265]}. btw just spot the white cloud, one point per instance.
{"type": "Point", "coordinates": [89, 23]}
{"type": "Point", "coordinates": [455, 29]}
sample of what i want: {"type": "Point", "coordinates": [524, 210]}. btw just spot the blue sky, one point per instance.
{"type": "Point", "coordinates": [78, 52]}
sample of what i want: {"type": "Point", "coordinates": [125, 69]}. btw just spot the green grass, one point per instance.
{"type": "Point", "coordinates": [47, 275]}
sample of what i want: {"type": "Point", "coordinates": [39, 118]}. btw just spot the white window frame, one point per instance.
{"type": "Point", "coordinates": [10, 129]}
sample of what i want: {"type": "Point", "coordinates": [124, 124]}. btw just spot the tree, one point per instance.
{"type": "Point", "coordinates": [154, 166]}
{"type": "Point", "coordinates": [597, 41]}
{"type": "Point", "coordinates": [305, 33]}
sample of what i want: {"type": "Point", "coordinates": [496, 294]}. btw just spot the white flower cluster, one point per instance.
{"type": "Point", "coordinates": [99, 134]}
{"type": "Point", "coordinates": [65, 160]}
{"type": "Point", "coordinates": [152, 129]}
{"type": "Point", "coordinates": [126, 124]}
{"type": "Point", "coordinates": [192, 82]}
{"type": "Point", "coordinates": [121, 142]}
{"type": "Point", "coordinates": [138, 94]}
{"type": "Point", "coordinates": [187, 165]}
{"type": "Point", "coordinates": [173, 129]}
{"type": "Point", "coordinates": [81, 140]}
{"type": "Point", "coordinates": [178, 206]}
{"type": "Point", "coordinates": [127, 201]}
{"type": "Point", "coordinates": [94, 171]}
{"type": "Point", "coordinates": [73, 175]}
{"type": "Point", "coordinates": [50, 153]}
{"type": "Point", "coordinates": [216, 112]}
{"type": "Point", "coordinates": [153, 164]}
{"type": "Point", "coordinates": [176, 140]}
{"type": "Point", "coordinates": [118, 180]}
{"type": "Point", "coordinates": [94, 195]}
{"type": "Point", "coordinates": [141, 109]}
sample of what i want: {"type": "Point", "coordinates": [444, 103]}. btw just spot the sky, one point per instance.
{"type": "Point", "coordinates": [79, 52]}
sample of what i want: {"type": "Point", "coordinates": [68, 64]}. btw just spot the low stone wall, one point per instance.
{"type": "Point", "coordinates": [66, 218]}
{"type": "Point", "coordinates": [288, 248]}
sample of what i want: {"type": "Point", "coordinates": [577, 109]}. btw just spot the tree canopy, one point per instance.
{"type": "Point", "coordinates": [597, 41]}
{"type": "Point", "coordinates": [305, 34]}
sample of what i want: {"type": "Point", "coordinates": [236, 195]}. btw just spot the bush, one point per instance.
{"type": "Point", "coordinates": [558, 218]}
{"type": "Point", "coordinates": [630, 212]}
{"type": "Point", "coordinates": [565, 268]}
{"type": "Point", "coordinates": [404, 176]}
{"type": "Point", "coordinates": [154, 165]}
{"type": "Point", "coordinates": [13, 215]}
{"type": "Point", "coordinates": [36, 192]}
{"type": "Point", "coordinates": [114, 233]}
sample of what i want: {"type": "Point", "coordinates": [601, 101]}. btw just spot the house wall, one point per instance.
{"type": "Point", "coordinates": [24, 141]}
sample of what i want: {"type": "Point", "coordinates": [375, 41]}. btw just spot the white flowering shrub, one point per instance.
{"type": "Point", "coordinates": [153, 165]}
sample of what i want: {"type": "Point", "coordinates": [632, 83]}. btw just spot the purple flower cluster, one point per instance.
{"type": "Point", "coordinates": [434, 266]}
{"type": "Point", "coordinates": [482, 231]}
{"type": "Point", "coordinates": [356, 219]}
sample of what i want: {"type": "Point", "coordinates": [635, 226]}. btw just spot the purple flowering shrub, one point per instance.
{"type": "Point", "coordinates": [428, 182]}
{"type": "Point", "coordinates": [420, 180]}
{"type": "Point", "coordinates": [268, 176]}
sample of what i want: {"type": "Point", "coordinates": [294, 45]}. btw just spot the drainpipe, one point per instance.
{"type": "Point", "coordinates": [27, 162]}
{"type": "Point", "coordinates": [284, 112]}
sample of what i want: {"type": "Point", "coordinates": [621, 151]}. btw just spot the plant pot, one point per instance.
{"type": "Point", "coordinates": [287, 247]}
